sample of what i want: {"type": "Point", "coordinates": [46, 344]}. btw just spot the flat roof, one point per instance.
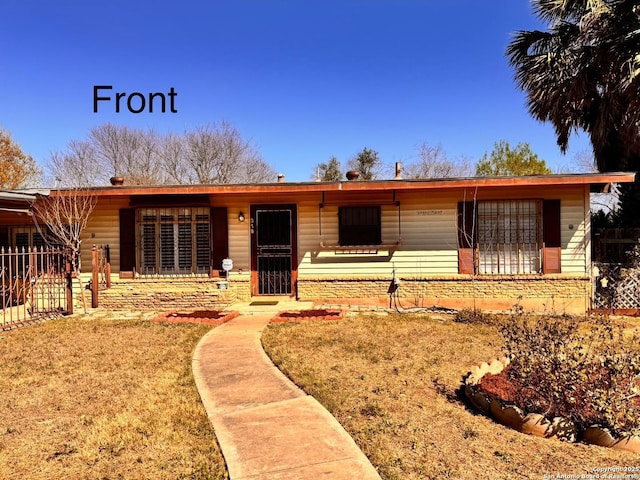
{"type": "Point", "coordinates": [597, 181]}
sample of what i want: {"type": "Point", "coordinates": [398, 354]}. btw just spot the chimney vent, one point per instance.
{"type": "Point", "coordinates": [398, 171]}
{"type": "Point", "coordinates": [281, 178]}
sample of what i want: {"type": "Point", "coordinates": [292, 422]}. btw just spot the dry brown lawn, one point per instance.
{"type": "Point", "coordinates": [100, 398]}
{"type": "Point", "coordinates": [392, 383]}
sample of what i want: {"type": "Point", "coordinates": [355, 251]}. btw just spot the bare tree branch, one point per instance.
{"type": "Point", "coordinates": [65, 214]}
{"type": "Point", "coordinates": [434, 163]}
{"type": "Point", "coordinates": [61, 218]}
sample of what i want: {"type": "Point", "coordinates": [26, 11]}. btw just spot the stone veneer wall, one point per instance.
{"type": "Point", "coordinates": [166, 294]}
{"type": "Point", "coordinates": [551, 293]}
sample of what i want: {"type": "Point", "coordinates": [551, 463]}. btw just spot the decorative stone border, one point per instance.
{"type": "Point", "coordinates": [210, 317]}
{"type": "Point", "coordinates": [315, 314]}
{"type": "Point", "coordinates": [534, 423]}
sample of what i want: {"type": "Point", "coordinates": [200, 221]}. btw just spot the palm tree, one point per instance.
{"type": "Point", "coordinates": [584, 74]}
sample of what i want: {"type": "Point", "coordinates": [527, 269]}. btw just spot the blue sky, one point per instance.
{"type": "Point", "coordinates": [303, 80]}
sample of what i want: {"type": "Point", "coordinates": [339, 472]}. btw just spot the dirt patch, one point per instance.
{"type": "Point", "coordinates": [314, 314]}
{"type": "Point", "coordinates": [212, 317]}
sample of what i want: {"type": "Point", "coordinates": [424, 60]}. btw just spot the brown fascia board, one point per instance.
{"type": "Point", "coordinates": [597, 180]}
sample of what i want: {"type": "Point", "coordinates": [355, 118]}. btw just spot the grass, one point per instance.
{"type": "Point", "coordinates": [99, 398]}
{"type": "Point", "coordinates": [392, 383]}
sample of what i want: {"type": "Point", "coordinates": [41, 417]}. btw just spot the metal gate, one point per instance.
{"type": "Point", "coordinates": [273, 249]}
{"type": "Point", "coordinates": [35, 284]}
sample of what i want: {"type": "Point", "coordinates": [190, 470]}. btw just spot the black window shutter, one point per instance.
{"type": "Point", "coordinates": [4, 237]}
{"type": "Point", "coordinates": [551, 237]}
{"type": "Point", "coordinates": [551, 223]}
{"type": "Point", "coordinates": [220, 237]}
{"type": "Point", "coordinates": [127, 239]}
{"type": "Point", "coordinates": [467, 231]}
{"type": "Point", "coordinates": [467, 236]}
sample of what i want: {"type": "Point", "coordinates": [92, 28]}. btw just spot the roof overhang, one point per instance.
{"type": "Point", "coordinates": [19, 201]}
{"type": "Point", "coordinates": [24, 197]}
{"type": "Point", "coordinates": [595, 181]}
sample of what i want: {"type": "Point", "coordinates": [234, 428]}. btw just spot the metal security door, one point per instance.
{"type": "Point", "coordinates": [273, 249]}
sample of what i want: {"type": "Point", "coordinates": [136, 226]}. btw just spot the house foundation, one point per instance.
{"type": "Point", "coordinates": [548, 293]}
{"type": "Point", "coordinates": [174, 294]}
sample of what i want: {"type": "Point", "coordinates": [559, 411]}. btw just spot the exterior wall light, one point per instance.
{"type": "Point", "coordinates": [241, 217]}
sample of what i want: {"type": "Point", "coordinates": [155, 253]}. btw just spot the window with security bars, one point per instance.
{"type": "Point", "coordinates": [509, 236]}
{"type": "Point", "coordinates": [174, 241]}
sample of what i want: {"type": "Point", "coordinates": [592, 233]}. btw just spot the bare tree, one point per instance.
{"type": "Point", "coordinates": [77, 167]}
{"type": "Point", "coordinates": [108, 142]}
{"type": "Point", "coordinates": [256, 170]}
{"type": "Point", "coordinates": [219, 154]}
{"type": "Point", "coordinates": [434, 163]}
{"type": "Point", "coordinates": [585, 161]}
{"type": "Point", "coordinates": [202, 156]}
{"type": "Point", "coordinates": [61, 218]}
{"type": "Point", "coordinates": [128, 152]}
{"type": "Point", "coordinates": [109, 151]}
{"type": "Point", "coordinates": [210, 154]}
{"type": "Point", "coordinates": [171, 154]}
{"type": "Point", "coordinates": [145, 165]}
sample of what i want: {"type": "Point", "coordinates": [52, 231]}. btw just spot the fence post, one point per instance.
{"type": "Point", "coordinates": [69, 281]}
{"type": "Point", "coordinates": [94, 277]}
{"type": "Point", "coordinates": [33, 274]}
{"type": "Point", "coordinates": [107, 253]}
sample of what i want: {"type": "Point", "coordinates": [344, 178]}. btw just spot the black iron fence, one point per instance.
{"type": "Point", "coordinates": [35, 284]}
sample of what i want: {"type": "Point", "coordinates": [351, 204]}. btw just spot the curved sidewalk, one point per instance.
{"type": "Point", "coordinates": [266, 426]}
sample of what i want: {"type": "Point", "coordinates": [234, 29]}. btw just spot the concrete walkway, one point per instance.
{"type": "Point", "coordinates": [266, 426]}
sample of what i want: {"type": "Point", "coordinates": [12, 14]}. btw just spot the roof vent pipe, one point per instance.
{"type": "Point", "coordinates": [281, 178]}
{"type": "Point", "coordinates": [398, 171]}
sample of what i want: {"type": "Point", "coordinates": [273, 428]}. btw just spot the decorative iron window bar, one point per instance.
{"type": "Point", "coordinates": [509, 236]}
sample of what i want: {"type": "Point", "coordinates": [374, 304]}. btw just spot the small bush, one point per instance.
{"type": "Point", "coordinates": [474, 317]}
{"type": "Point", "coordinates": [585, 371]}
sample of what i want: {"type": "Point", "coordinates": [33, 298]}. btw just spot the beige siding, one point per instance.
{"type": "Point", "coordinates": [429, 234]}
{"type": "Point", "coordinates": [103, 228]}
{"type": "Point", "coordinates": [428, 231]}
{"type": "Point", "coordinates": [427, 237]}
{"type": "Point", "coordinates": [575, 229]}
{"type": "Point", "coordinates": [239, 237]}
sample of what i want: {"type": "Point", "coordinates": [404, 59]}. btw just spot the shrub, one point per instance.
{"type": "Point", "coordinates": [585, 371]}
{"type": "Point", "coordinates": [475, 317]}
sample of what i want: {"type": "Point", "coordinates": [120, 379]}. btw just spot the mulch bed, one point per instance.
{"type": "Point", "coordinates": [315, 314]}
{"type": "Point", "coordinates": [508, 389]}
{"type": "Point", "coordinates": [211, 317]}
